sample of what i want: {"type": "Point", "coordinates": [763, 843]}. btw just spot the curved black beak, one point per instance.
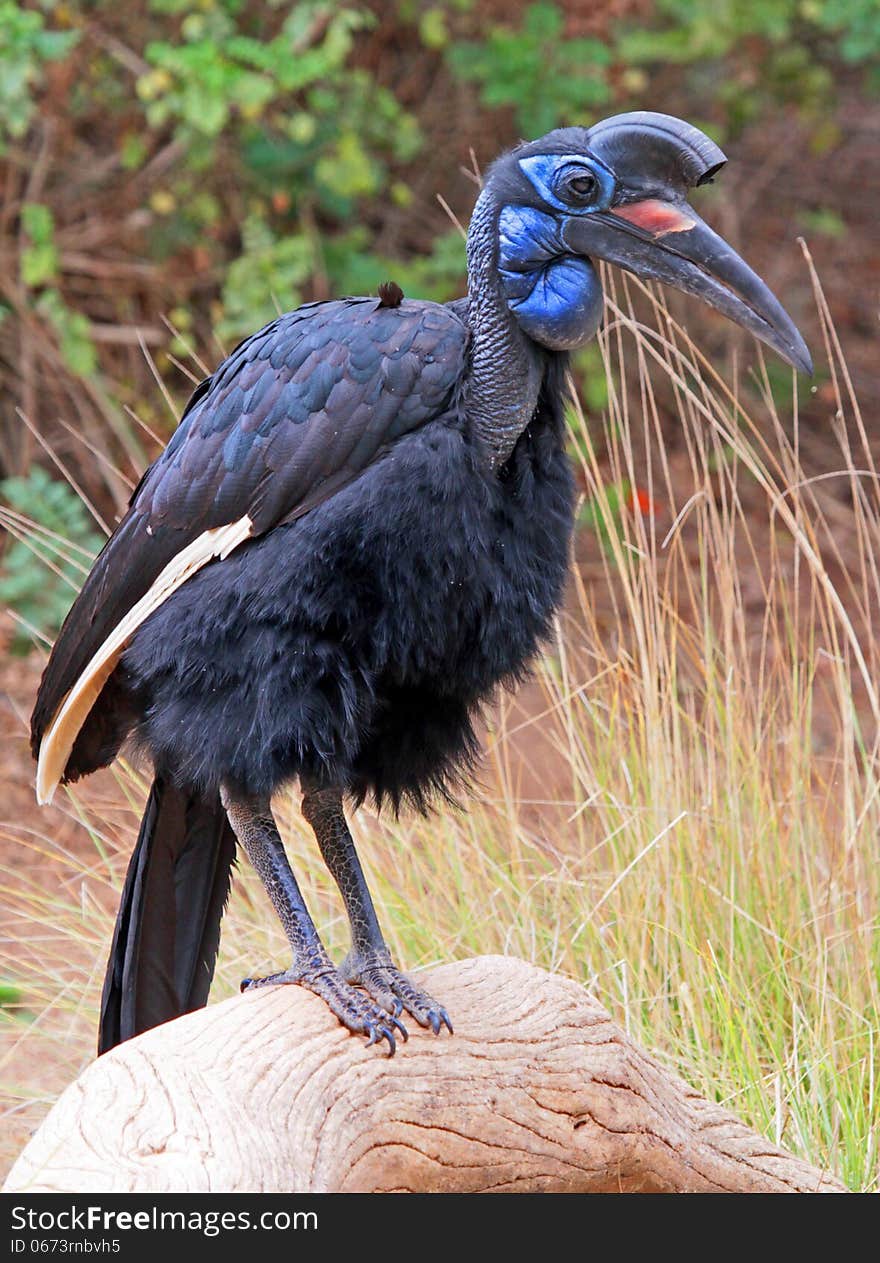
{"type": "Point", "coordinates": [667, 241]}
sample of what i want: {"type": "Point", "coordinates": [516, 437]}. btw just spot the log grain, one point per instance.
{"type": "Point", "coordinates": [537, 1091]}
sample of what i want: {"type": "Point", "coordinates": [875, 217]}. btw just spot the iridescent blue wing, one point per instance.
{"type": "Point", "coordinates": [296, 412]}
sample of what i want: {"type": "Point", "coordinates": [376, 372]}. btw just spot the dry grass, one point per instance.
{"type": "Point", "coordinates": [708, 862]}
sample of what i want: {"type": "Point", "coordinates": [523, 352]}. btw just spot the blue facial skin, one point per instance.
{"type": "Point", "coordinates": [555, 296]}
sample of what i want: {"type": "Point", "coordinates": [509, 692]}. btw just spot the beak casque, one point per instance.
{"type": "Point", "coordinates": [653, 232]}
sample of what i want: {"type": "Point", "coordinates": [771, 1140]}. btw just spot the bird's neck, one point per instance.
{"type": "Point", "coordinates": [529, 299]}
{"type": "Point", "coordinates": [506, 366]}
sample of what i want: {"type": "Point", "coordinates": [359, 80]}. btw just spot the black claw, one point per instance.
{"type": "Point", "coordinates": [377, 1021]}
{"type": "Point", "coordinates": [396, 995]}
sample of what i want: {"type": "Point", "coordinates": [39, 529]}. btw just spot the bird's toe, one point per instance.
{"type": "Point", "coordinates": [395, 992]}
{"type": "Point", "coordinates": [360, 1015]}
{"type": "Point", "coordinates": [356, 1012]}
{"type": "Point", "coordinates": [270, 980]}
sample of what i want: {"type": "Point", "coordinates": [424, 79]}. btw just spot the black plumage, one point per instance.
{"type": "Point", "coordinates": [360, 377]}
{"type": "Point", "coordinates": [168, 927]}
{"type": "Point", "coordinates": [394, 479]}
{"type": "Point", "coordinates": [375, 624]}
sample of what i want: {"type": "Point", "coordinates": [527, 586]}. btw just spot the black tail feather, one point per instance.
{"type": "Point", "coordinates": [168, 928]}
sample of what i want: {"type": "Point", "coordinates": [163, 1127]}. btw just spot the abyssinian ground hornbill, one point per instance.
{"type": "Point", "coordinates": [359, 529]}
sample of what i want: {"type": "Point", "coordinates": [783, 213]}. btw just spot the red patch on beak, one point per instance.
{"type": "Point", "coordinates": [656, 217]}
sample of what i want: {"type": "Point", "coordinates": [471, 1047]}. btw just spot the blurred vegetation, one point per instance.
{"type": "Point", "coordinates": [174, 171]}
{"type": "Point", "coordinates": [207, 162]}
{"type": "Point", "coordinates": [47, 522]}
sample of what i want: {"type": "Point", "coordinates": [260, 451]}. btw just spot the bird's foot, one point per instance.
{"type": "Point", "coordinates": [392, 990]}
{"type": "Point", "coordinates": [354, 1010]}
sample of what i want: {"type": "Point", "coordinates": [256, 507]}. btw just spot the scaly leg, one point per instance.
{"type": "Point", "coordinates": [254, 826]}
{"type": "Point", "coordinates": [369, 962]}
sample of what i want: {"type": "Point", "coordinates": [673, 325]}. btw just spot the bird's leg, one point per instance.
{"type": "Point", "coordinates": [369, 962]}
{"type": "Point", "coordinates": [254, 825]}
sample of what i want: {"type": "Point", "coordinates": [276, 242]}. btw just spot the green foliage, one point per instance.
{"type": "Point", "coordinates": [438, 276]}
{"type": "Point", "coordinates": [72, 330]}
{"type": "Point", "coordinates": [748, 55]}
{"type": "Point", "coordinates": [39, 594]}
{"type": "Point", "coordinates": [11, 994]}
{"type": "Point", "coordinates": [693, 32]}
{"type": "Point", "coordinates": [603, 514]}
{"type": "Point", "coordinates": [824, 222]}
{"type": "Point", "coordinates": [217, 71]}
{"type": "Point", "coordinates": [433, 28]}
{"type": "Point", "coordinates": [314, 136]}
{"type": "Point", "coordinates": [272, 271]}
{"type": "Point", "coordinates": [588, 369]}
{"type": "Point", "coordinates": [266, 278]}
{"type": "Point", "coordinates": [25, 48]}
{"type": "Point", "coordinates": [39, 264]}
{"type": "Point", "coordinates": [39, 259]}
{"type": "Point", "coordinates": [264, 150]}
{"type": "Point", "coordinates": [332, 151]}
{"type": "Point", "coordinates": [547, 78]}
{"type": "Point", "coordinates": [856, 23]}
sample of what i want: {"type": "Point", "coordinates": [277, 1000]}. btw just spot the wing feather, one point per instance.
{"type": "Point", "coordinates": [59, 739]}
{"type": "Point", "coordinates": [295, 413]}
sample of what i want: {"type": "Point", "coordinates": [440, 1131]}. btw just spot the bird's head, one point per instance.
{"type": "Point", "coordinates": [618, 191]}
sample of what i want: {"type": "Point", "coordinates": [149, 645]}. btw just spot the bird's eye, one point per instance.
{"type": "Point", "coordinates": [570, 182]}
{"type": "Point", "coordinates": [582, 186]}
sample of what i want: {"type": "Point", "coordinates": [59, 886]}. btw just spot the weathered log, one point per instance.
{"type": "Point", "coordinates": [538, 1090]}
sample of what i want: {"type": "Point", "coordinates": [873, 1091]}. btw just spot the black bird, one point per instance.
{"type": "Point", "coordinates": [359, 529]}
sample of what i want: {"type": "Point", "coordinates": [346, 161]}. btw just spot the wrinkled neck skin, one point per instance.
{"type": "Point", "coordinates": [526, 297]}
